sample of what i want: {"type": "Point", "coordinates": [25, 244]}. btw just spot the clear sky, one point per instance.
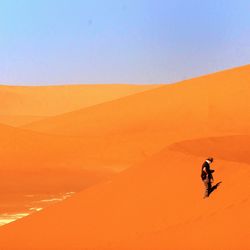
{"type": "Point", "coordinates": [130, 41]}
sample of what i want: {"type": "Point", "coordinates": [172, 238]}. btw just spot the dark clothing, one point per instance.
{"type": "Point", "coordinates": [206, 171]}
{"type": "Point", "coordinates": [206, 176]}
{"type": "Point", "coordinates": [208, 187]}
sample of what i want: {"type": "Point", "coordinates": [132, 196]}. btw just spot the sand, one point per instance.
{"type": "Point", "coordinates": [25, 104]}
{"type": "Point", "coordinates": [150, 206]}
{"type": "Point", "coordinates": [33, 162]}
{"type": "Point", "coordinates": [131, 129]}
{"type": "Point", "coordinates": [160, 137]}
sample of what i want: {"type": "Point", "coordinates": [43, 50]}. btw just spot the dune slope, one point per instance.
{"type": "Point", "coordinates": [165, 133]}
{"type": "Point", "coordinates": [133, 128]}
{"type": "Point", "coordinates": [149, 206]}
{"type": "Point", "coordinates": [25, 104]}
{"type": "Point", "coordinates": [36, 162]}
{"type": "Point", "coordinates": [208, 99]}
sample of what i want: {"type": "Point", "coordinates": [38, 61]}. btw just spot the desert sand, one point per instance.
{"type": "Point", "coordinates": [159, 138]}
{"type": "Point", "coordinates": [137, 126]}
{"type": "Point", "coordinates": [25, 104]}
{"type": "Point", "coordinates": [37, 162]}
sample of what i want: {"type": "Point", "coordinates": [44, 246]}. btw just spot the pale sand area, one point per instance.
{"type": "Point", "coordinates": [18, 205]}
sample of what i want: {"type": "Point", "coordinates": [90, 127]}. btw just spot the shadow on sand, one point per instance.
{"type": "Point", "coordinates": [215, 187]}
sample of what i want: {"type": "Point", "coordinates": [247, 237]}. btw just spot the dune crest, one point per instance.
{"type": "Point", "coordinates": [24, 104]}
{"type": "Point", "coordinates": [131, 129]}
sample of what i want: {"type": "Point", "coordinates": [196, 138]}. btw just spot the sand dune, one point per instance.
{"type": "Point", "coordinates": [149, 206]}
{"type": "Point", "coordinates": [20, 104]}
{"type": "Point", "coordinates": [122, 132]}
{"type": "Point", "coordinates": [133, 128]}
{"type": "Point", "coordinates": [41, 166]}
{"type": "Point", "coordinates": [203, 102]}
{"type": "Point", "coordinates": [36, 162]}
{"type": "Point", "coordinates": [163, 135]}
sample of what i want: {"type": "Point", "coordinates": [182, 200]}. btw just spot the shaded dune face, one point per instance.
{"type": "Point", "coordinates": [21, 105]}
{"type": "Point", "coordinates": [150, 205]}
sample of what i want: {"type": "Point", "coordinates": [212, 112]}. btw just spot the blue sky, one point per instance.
{"type": "Point", "coordinates": [74, 41]}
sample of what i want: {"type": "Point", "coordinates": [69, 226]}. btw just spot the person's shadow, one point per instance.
{"type": "Point", "coordinates": [215, 187]}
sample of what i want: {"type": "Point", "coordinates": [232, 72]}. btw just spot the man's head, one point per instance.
{"type": "Point", "coordinates": [211, 159]}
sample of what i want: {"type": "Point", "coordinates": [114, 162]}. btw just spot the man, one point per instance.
{"type": "Point", "coordinates": [206, 176]}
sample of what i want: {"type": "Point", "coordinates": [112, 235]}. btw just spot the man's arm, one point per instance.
{"type": "Point", "coordinates": [210, 171]}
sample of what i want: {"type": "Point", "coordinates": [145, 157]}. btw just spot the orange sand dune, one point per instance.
{"type": "Point", "coordinates": [148, 204]}
{"type": "Point", "coordinates": [132, 128]}
{"type": "Point", "coordinates": [36, 162]}
{"type": "Point", "coordinates": [35, 165]}
{"type": "Point", "coordinates": [119, 133]}
{"type": "Point", "coordinates": [20, 104]}
{"type": "Point", "coordinates": [155, 205]}
{"type": "Point", "coordinates": [201, 102]}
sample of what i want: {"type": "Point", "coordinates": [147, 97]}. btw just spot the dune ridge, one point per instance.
{"type": "Point", "coordinates": [24, 104]}
{"type": "Point", "coordinates": [135, 127]}
{"type": "Point", "coordinates": [223, 95]}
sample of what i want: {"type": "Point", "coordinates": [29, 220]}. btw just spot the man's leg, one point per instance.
{"type": "Point", "coordinates": [207, 189]}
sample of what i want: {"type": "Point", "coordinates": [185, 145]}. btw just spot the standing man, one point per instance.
{"type": "Point", "coordinates": [206, 176]}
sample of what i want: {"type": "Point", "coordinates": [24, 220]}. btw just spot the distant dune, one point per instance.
{"type": "Point", "coordinates": [139, 125]}
{"type": "Point", "coordinates": [160, 137]}
{"type": "Point", "coordinates": [24, 104]}
{"type": "Point", "coordinates": [202, 102]}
